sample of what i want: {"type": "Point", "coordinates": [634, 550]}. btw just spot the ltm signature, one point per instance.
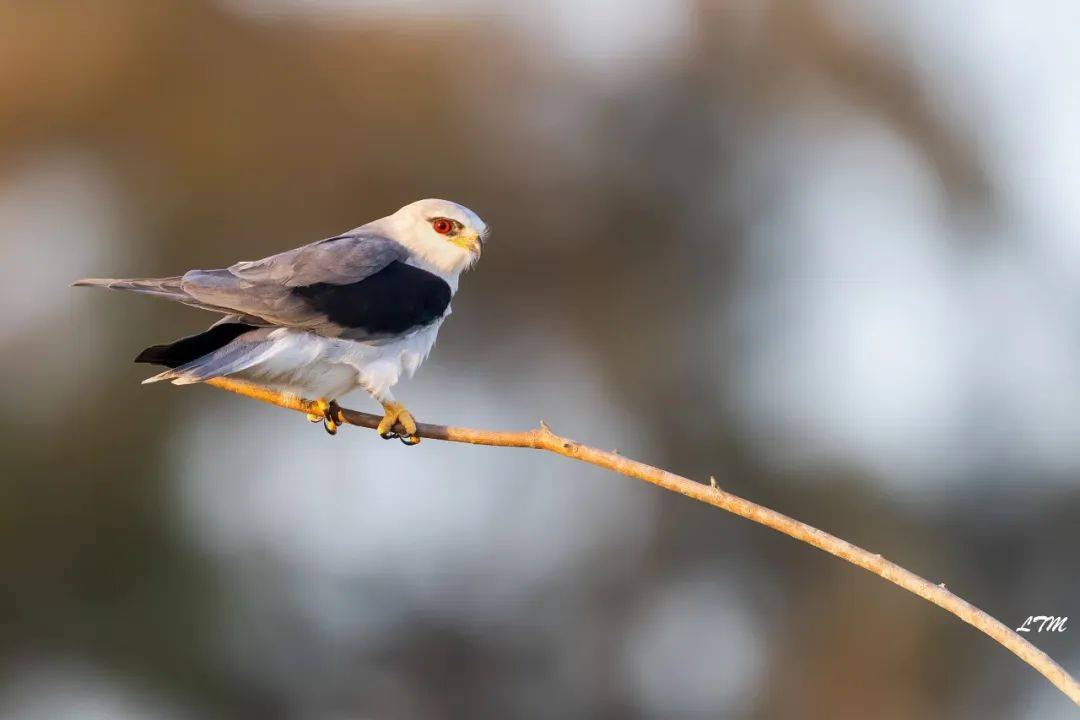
{"type": "Point", "coordinates": [1048, 623]}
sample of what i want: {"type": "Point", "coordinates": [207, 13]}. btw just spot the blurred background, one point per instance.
{"type": "Point", "coordinates": [824, 250]}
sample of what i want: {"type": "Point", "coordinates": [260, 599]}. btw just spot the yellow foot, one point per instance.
{"type": "Point", "coordinates": [397, 416]}
{"type": "Point", "coordinates": [327, 413]}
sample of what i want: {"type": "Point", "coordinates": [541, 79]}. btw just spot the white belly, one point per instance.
{"type": "Point", "coordinates": [314, 366]}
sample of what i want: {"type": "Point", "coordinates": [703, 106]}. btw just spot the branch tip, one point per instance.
{"type": "Point", "coordinates": [872, 562]}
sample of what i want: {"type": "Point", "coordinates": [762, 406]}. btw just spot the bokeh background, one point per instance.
{"type": "Point", "coordinates": [827, 251]}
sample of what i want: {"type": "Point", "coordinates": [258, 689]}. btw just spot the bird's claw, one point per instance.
{"type": "Point", "coordinates": [327, 413]}
{"type": "Point", "coordinates": [397, 417]}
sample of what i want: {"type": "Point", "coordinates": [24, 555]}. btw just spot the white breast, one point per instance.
{"type": "Point", "coordinates": [314, 366]}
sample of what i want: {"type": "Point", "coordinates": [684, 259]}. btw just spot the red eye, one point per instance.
{"type": "Point", "coordinates": [443, 226]}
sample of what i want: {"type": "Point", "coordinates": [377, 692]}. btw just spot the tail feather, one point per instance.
{"type": "Point", "coordinates": [228, 358]}
{"type": "Point", "coordinates": [193, 347]}
{"type": "Point", "coordinates": [168, 287]}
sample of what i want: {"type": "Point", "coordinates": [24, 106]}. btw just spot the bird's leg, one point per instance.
{"type": "Point", "coordinates": [326, 412]}
{"type": "Point", "coordinates": [397, 415]}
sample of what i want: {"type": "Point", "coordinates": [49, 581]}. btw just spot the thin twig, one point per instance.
{"type": "Point", "coordinates": [542, 438]}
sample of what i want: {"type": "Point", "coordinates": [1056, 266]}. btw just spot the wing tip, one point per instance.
{"type": "Point", "coordinates": [92, 282]}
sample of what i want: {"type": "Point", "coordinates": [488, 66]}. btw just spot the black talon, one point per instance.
{"type": "Point", "coordinates": [330, 414]}
{"type": "Point", "coordinates": [389, 435]}
{"type": "Point", "coordinates": [409, 440]}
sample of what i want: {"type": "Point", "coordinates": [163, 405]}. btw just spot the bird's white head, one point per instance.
{"type": "Point", "coordinates": [444, 236]}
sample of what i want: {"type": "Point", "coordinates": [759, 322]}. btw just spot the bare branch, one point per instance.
{"type": "Point", "coordinates": [542, 438]}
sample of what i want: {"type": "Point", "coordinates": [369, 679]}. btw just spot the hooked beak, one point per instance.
{"type": "Point", "coordinates": [473, 242]}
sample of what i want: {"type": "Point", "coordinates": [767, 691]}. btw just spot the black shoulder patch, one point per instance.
{"type": "Point", "coordinates": [393, 301]}
{"type": "Point", "coordinates": [193, 347]}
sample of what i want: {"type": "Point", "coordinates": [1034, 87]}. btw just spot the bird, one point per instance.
{"type": "Point", "coordinates": [357, 310]}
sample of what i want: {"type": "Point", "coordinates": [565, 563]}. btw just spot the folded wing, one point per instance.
{"type": "Point", "coordinates": [277, 290]}
{"type": "Point", "coordinates": [358, 286]}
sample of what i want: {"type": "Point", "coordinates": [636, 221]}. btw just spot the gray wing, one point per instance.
{"type": "Point", "coordinates": [338, 260]}
{"type": "Point", "coordinates": [262, 291]}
